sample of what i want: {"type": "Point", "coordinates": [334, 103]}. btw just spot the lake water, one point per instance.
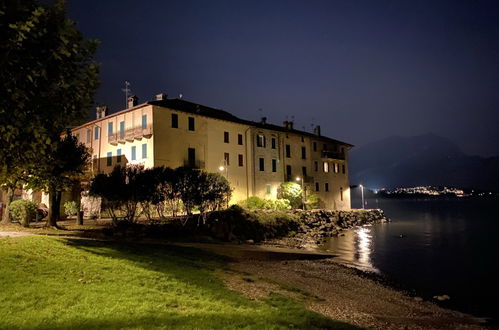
{"type": "Point", "coordinates": [435, 247]}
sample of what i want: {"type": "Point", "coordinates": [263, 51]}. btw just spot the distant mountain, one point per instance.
{"type": "Point", "coordinates": [426, 159]}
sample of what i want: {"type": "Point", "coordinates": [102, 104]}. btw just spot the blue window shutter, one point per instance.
{"type": "Point", "coordinates": [144, 121]}
{"type": "Point", "coordinates": [110, 128]}
{"type": "Point", "coordinates": [144, 151]}
{"type": "Point", "coordinates": [134, 150]}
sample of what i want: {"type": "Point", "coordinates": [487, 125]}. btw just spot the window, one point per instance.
{"type": "Point", "coordinates": [262, 164]}
{"type": "Point", "coordinates": [326, 167]}
{"type": "Point", "coordinates": [343, 168]}
{"type": "Point", "coordinates": [226, 137]}
{"type": "Point", "coordinates": [95, 160]}
{"type": "Point", "coordinates": [273, 143]}
{"type": "Point", "coordinates": [314, 146]}
{"type": "Point", "coordinates": [191, 157]}
{"type": "Point", "coordinates": [260, 140]}
{"type": "Point", "coordinates": [288, 151]}
{"type": "Point", "coordinates": [303, 153]}
{"type": "Point", "coordinates": [118, 156]}
{"type": "Point", "coordinates": [317, 186]}
{"type": "Point", "coordinates": [316, 166]}
{"type": "Point", "coordinates": [89, 134]}
{"type": "Point", "coordinates": [122, 130]}
{"type": "Point", "coordinates": [302, 139]}
{"type": "Point", "coordinates": [191, 124]}
{"type": "Point", "coordinates": [288, 172]}
{"type": "Point", "coordinates": [324, 147]}
{"type": "Point", "coordinates": [240, 159]}
{"type": "Point", "coordinates": [267, 189]}
{"type": "Point", "coordinates": [240, 139]}
{"type": "Point", "coordinates": [326, 186]}
{"type": "Point", "coordinates": [336, 167]}
{"type": "Point", "coordinates": [144, 121]}
{"type": "Point", "coordinates": [110, 128]}
{"type": "Point", "coordinates": [144, 151]}
{"type": "Point", "coordinates": [341, 193]}
{"type": "Point", "coordinates": [109, 159]}
{"type": "Point", "coordinates": [174, 120]}
{"type": "Point", "coordinates": [304, 171]}
{"type": "Point", "coordinates": [227, 159]}
{"type": "Point", "coordinates": [274, 165]}
{"type": "Point", "coordinates": [134, 152]}
{"type": "Point", "coordinates": [96, 133]}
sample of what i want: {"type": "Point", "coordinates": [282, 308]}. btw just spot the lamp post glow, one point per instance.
{"type": "Point", "coordinates": [362, 194]}
{"type": "Point", "coordinates": [303, 195]}
{"type": "Point", "coordinates": [225, 168]}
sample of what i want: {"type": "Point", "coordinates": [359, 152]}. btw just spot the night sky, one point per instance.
{"type": "Point", "coordinates": [363, 70]}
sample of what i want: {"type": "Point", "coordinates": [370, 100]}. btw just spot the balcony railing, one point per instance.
{"type": "Point", "coordinates": [333, 155]}
{"type": "Point", "coordinates": [130, 135]}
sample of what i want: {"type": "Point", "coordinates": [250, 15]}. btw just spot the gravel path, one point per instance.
{"type": "Point", "coordinates": [14, 233]}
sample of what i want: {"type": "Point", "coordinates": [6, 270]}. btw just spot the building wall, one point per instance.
{"type": "Point", "coordinates": [168, 146]}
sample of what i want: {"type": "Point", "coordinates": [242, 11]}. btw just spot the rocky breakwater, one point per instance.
{"type": "Point", "coordinates": [316, 226]}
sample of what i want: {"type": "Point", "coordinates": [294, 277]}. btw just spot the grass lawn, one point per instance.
{"type": "Point", "coordinates": [60, 283]}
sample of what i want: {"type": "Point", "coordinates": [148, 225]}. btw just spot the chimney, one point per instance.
{"type": "Point", "coordinates": [132, 101]}
{"type": "Point", "coordinates": [161, 97]}
{"type": "Point", "coordinates": [291, 125]}
{"type": "Point", "coordinates": [263, 120]}
{"type": "Point", "coordinates": [317, 130]}
{"type": "Point", "coordinates": [101, 112]}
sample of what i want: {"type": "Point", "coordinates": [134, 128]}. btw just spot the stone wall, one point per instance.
{"type": "Point", "coordinates": [318, 225]}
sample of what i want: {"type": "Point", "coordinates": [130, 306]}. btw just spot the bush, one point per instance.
{"type": "Point", "coordinates": [254, 202]}
{"type": "Point", "coordinates": [71, 208]}
{"type": "Point", "coordinates": [291, 191]}
{"type": "Point", "coordinates": [23, 211]}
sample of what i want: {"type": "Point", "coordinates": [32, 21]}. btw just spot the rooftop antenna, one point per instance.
{"type": "Point", "coordinates": [127, 90]}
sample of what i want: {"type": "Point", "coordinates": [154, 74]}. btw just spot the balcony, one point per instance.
{"type": "Point", "coordinates": [140, 132]}
{"type": "Point", "coordinates": [333, 155]}
{"type": "Point", "coordinates": [112, 139]}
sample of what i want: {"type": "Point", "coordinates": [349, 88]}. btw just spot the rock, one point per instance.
{"type": "Point", "coordinates": [249, 241]}
{"type": "Point", "coordinates": [442, 297]}
{"type": "Point", "coordinates": [418, 298]}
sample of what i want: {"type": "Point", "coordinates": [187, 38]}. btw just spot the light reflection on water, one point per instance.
{"type": "Point", "coordinates": [354, 248]}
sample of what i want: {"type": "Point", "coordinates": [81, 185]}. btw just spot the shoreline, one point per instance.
{"type": "Point", "coordinates": [335, 290]}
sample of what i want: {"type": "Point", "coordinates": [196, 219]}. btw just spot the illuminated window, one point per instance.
{"type": "Point", "coordinates": [326, 167]}
{"type": "Point", "coordinates": [260, 141]}
{"type": "Point", "coordinates": [336, 168]}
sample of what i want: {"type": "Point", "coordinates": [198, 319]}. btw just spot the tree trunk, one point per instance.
{"type": "Point", "coordinates": [10, 198]}
{"type": "Point", "coordinates": [79, 215]}
{"type": "Point", "coordinates": [54, 208]}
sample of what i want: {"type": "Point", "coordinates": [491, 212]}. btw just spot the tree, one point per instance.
{"type": "Point", "coordinates": [61, 169]}
{"type": "Point", "coordinates": [47, 78]}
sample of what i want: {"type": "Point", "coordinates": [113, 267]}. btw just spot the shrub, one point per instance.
{"type": "Point", "coordinates": [291, 191]}
{"type": "Point", "coordinates": [71, 208]}
{"type": "Point", "coordinates": [23, 211]}
{"type": "Point", "coordinates": [255, 202]}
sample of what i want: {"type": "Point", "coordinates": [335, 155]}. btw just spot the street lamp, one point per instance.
{"type": "Point", "coordinates": [225, 168]}
{"type": "Point", "coordinates": [303, 195]}
{"type": "Point", "coordinates": [362, 194]}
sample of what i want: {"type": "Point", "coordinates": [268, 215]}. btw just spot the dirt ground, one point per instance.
{"type": "Point", "coordinates": [331, 289]}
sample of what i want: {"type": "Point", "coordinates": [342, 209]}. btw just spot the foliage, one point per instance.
{"type": "Point", "coordinates": [313, 201]}
{"type": "Point", "coordinates": [255, 202]}
{"type": "Point", "coordinates": [47, 78]}
{"type": "Point", "coordinates": [166, 287]}
{"type": "Point", "coordinates": [160, 188]}
{"type": "Point", "coordinates": [71, 208]}
{"type": "Point", "coordinates": [291, 191]}
{"type": "Point", "coordinates": [23, 211]}
{"type": "Point", "coordinates": [61, 169]}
